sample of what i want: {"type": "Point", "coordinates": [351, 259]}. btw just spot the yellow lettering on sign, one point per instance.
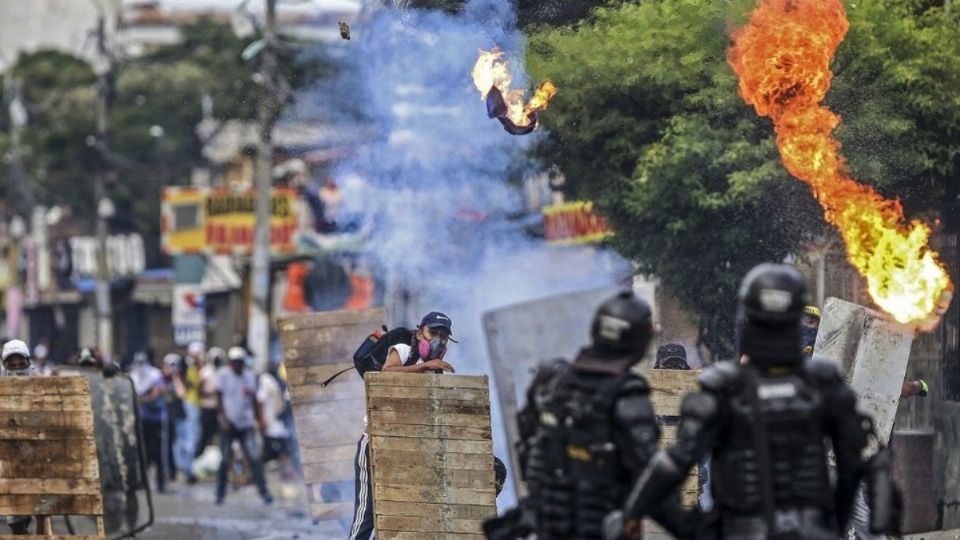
{"type": "Point", "coordinates": [578, 453]}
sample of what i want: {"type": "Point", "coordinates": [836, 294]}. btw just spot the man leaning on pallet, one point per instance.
{"type": "Point", "coordinates": [424, 354]}
{"type": "Point", "coordinates": [17, 363]}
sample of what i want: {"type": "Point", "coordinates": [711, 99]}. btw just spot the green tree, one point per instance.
{"type": "Point", "coordinates": [153, 118]}
{"type": "Point", "coordinates": [649, 124]}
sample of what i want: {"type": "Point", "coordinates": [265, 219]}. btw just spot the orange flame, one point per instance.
{"type": "Point", "coordinates": [491, 71]}
{"type": "Point", "coordinates": [782, 58]}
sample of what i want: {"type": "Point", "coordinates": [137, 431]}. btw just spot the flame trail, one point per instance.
{"type": "Point", "coordinates": [782, 58]}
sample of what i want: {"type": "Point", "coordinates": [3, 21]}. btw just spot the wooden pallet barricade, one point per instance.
{"type": "Point", "coordinates": [329, 419]}
{"type": "Point", "coordinates": [432, 455]}
{"type": "Point", "coordinates": [667, 388]}
{"type": "Point", "coordinates": [48, 452]}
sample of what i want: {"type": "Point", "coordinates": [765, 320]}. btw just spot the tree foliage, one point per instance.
{"type": "Point", "coordinates": [154, 112]}
{"type": "Point", "coordinates": [649, 124]}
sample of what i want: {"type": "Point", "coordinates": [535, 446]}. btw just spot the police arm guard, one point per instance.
{"type": "Point", "coordinates": [661, 477]}
{"type": "Point", "coordinates": [699, 424]}
{"type": "Point", "coordinates": [515, 523]}
{"type": "Point", "coordinates": [849, 432]}
{"type": "Point", "coordinates": [886, 505]}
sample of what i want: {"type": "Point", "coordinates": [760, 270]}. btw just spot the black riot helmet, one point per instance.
{"type": "Point", "coordinates": [772, 298]}
{"type": "Point", "coordinates": [622, 327]}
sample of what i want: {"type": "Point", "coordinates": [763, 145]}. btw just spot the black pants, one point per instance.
{"type": "Point", "coordinates": [245, 437]}
{"type": "Point", "coordinates": [155, 440]}
{"type": "Point", "coordinates": [362, 528]}
{"type": "Point", "coordinates": [209, 425]}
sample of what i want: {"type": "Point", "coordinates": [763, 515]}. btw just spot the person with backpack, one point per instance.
{"type": "Point", "coordinates": [399, 351]}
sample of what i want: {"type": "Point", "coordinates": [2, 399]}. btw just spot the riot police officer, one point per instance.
{"type": "Point", "coordinates": [587, 430]}
{"type": "Point", "coordinates": [765, 422]}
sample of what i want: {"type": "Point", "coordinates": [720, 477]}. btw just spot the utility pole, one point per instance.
{"type": "Point", "coordinates": [104, 207]}
{"type": "Point", "coordinates": [21, 195]}
{"type": "Point", "coordinates": [258, 323]}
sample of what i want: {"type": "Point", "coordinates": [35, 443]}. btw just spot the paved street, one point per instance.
{"type": "Point", "coordinates": [189, 512]}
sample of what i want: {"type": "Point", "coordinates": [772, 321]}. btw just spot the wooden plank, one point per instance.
{"type": "Point", "coordinates": [440, 432]}
{"type": "Point", "coordinates": [53, 537]}
{"type": "Point", "coordinates": [314, 352]}
{"type": "Point", "coordinates": [63, 450]}
{"type": "Point", "coordinates": [667, 434]}
{"type": "Point", "coordinates": [429, 476]}
{"type": "Point", "coordinates": [354, 407]}
{"type": "Point", "coordinates": [344, 408]}
{"type": "Point", "coordinates": [383, 421]}
{"type": "Point", "coordinates": [455, 511]}
{"type": "Point", "coordinates": [432, 458]}
{"type": "Point", "coordinates": [427, 380]}
{"type": "Point", "coordinates": [40, 386]}
{"type": "Point", "coordinates": [70, 403]}
{"type": "Point", "coordinates": [390, 444]}
{"type": "Point", "coordinates": [416, 535]}
{"type": "Point", "coordinates": [673, 380]}
{"type": "Point", "coordinates": [429, 524]}
{"type": "Point", "coordinates": [323, 422]}
{"type": "Point", "coordinates": [321, 454]}
{"type": "Point", "coordinates": [315, 394]}
{"type": "Point", "coordinates": [46, 433]}
{"type": "Point", "coordinates": [317, 374]}
{"type": "Point", "coordinates": [669, 386]}
{"type": "Point", "coordinates": [329, 419]}
{"type": "Point", "coordinates": [444, 394]}
{"type": "Point", "coordinates": [429, 406]}
{"type": "Point", "coordinates": [446, 460]}
{"type": "Point", "coordinates": [324, 511]}
{"type": "Point", "coordinates": [333, 437]}
{"type": "Point", "coordinates": [77, 419]}
{"type": "Point", "coordinates": [292, 323]}
{"type": "Point", "coordinates": [447, 495]}
{"type": "Point", "coordinates": [63, 469]}
{"type": "Point", "coordinates": [18, 505]}
{"type": "Point", "coordinates": [330, 471]}
{"type": "Point", "coordinates": [37, 486]}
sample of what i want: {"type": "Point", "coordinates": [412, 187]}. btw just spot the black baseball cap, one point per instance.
{"type": "Point", "coordinates": [435, 319]}
{"type": "Point", "coordinates": [671, 356]}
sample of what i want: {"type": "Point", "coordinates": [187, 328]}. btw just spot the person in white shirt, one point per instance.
{"type": "Point", "coordinates": [209, 412]}
{"type": "Point", "coordinates": [239, 415]}
{"type": "Point", "coordinates": [270, 394]}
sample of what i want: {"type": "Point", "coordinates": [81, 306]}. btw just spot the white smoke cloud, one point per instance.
{"type": "Point", "coordinates": [443, 188]}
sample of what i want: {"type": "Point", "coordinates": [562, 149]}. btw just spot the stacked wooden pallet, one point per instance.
{"type": "Point", "coordinates": [329, 418]}
{"type": "Point", "coordinates": [667, 388]}
{"type": "Point", "coordinates": [432, 455]}
{"type": "Point", "coordinates": [48, 452]}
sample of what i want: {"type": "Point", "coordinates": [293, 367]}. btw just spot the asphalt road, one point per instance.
{"type": "Point", "coordinates": [190, 512]}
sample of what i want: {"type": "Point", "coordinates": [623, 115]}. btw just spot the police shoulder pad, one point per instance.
{"type": "Point", "coordinates": [635, 384]}
{"type": "Point", "coordinates": [721, 377]}
{"type": "Point", "coordinates": [822, 368]}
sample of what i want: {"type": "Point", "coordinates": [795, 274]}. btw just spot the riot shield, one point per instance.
{"type": "Point", "coordinates": [127, 504]}
{"type": "Point", "coordinates": [521, 336]}
{"type": "Point", "coordinates": [328, 402]}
